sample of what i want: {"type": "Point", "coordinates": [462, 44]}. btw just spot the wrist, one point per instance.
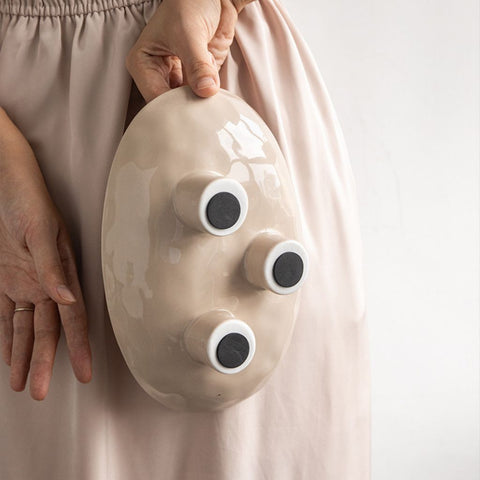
{"type": "Point", "coordinates": [18, 164]}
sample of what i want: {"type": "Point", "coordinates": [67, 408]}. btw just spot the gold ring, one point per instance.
{"type": "Point", "coordinates": [24, 309]}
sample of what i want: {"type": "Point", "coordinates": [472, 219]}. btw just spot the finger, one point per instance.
{"type": "Point", "coordinates": [42, 244]}
{"type": "Point", "coordinates": [6, 327]}
{"type": "Point", "coordinates": [199, 66]}
{"type": "Point", "coordinates": [46, 325]}
{"type": "Point", "coordinates": [150, 72]}
{"type": "Point", "coordinates": [73, 318]}
{"type": "Point", "coordinates": [74, 321]}
{"type": "Point", "coordinates": [176, 73]}
{"type": "Point", "coordinates": [21, 349]}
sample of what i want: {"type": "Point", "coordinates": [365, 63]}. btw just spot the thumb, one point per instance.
{"type": "Point", "coordinates": [42, 244]}
{"type": "Point", "coordinates": [200, 68]}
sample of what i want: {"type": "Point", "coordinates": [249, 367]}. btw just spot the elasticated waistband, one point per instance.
{"type": "Point", "coordinates": [61, 8]}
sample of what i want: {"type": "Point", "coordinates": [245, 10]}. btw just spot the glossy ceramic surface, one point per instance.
{"type": "Point", "coordinates": [175, 285]}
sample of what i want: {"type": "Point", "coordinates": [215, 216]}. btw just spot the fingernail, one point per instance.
{"type": "Point", "coordinates": [65, 293]}
{"type": "Point", "coordinates": [205, 82]}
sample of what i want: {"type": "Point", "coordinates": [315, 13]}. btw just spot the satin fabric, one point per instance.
{"type": "Point", "coordinates": [63, 82]}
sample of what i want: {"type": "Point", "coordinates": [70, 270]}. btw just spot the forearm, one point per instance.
{"type": "Point", "coordinates": [19, 169]}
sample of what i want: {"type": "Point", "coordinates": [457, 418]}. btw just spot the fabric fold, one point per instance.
{"type": "Point", "coordinates": [63, 82]}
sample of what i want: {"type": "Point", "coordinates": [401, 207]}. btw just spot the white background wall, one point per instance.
{"type": "Point", "coordinates": [404, 78]}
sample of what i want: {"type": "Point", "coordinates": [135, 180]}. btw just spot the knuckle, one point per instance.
{"type": "Point", "coordinates": [73, 317]}
{"type": "Point", "coordinates": [18, 225]}
{"type": "Point", "coordinates": [78, 341]}
{"type": "Point", "coordinates": [47, 333]}
{"type": "Point", "coordinates": [51, 275]}
{"type": "Point", "coordinates": [199, 66]}
{"type": "Point", "coordinates": [44, 302]}
{"type": "Point", "coordinates": [38, 224]}
{"type": "Point", "coordinates": [38, 364]}
{"type": "Point", "coordinates": [38, 295]}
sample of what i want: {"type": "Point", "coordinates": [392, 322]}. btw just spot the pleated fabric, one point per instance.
{"type": "Point", "coordinates": [63, 82]}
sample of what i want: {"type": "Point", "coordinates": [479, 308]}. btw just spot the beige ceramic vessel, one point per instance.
{"type": "Point", "coordinates": [201, 251]}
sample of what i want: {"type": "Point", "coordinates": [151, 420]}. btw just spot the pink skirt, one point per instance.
{"type": "Point", "coordinates": [64, 83]}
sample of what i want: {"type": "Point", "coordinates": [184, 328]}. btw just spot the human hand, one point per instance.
{"type": "Point", "coordinates": [36, 259]}
{"type": "Point", "coordinates": [185, 42]}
